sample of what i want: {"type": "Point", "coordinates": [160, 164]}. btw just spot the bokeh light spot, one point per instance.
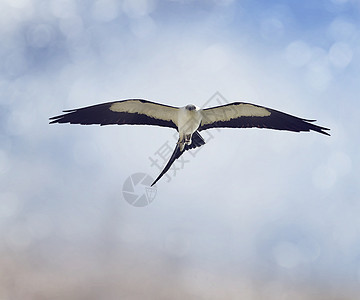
{"type": "Point", "coordinates": [138, 8]}
{"type": "Point", "coordinates": [271, 28]}
{"type": "Point", "coordinates": [105, 10]}
{"type": "Point", "coordinates": [63, 8]}
{"type": "Point", "coordinates": [298, 53]}
{"type": "Point", "coordinates": [324, 177]}
{"type": "Point", "coordinates": [340, 162]}
{"type": "Point", "coordinates": [214, 58]}
{"type": "Point", "coordinates": [19, 3]}
{"type": "Point", "coordinates": [143, 27]}
{"type": "Point", "coordinates": [39, 36]}
{"type": "Point", "coordinates": [287, 255]}
{"type": "Point", "coordinates": [319, 74]}
{"type": "Point", "coordinates": [340, 54]}
{"type": "Point", "coordinates": [71, 27]}
{"type": "Point", "coordinates": [342, 30]}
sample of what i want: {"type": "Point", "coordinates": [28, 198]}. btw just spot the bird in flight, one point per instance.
{"type": "Point", "coordinates": [188, 120]}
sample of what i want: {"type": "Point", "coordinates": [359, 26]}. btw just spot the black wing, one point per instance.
{"type": "Point", "coordinates": [245, 115]}
{"type": "Point", "coordinates": [133, 112]}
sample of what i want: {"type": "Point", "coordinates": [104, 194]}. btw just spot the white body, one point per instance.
{"type": "Point", "coordinates": [189, 119]}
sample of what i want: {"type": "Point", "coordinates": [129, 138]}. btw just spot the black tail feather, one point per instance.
{"type": "Point", "coordinates": [196, 141]}
{"type": "Point", "coordinates": [176, 154]}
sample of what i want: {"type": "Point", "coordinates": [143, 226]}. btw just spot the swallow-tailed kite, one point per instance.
{"type": "Point", "coordinates": [188, 120]}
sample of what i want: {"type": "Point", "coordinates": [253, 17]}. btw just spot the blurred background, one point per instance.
{"type": "Point", "coordinates": [254, 214]}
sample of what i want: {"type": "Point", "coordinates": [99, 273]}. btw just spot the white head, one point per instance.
{"type": "Point", "coordinates": [190, 107]}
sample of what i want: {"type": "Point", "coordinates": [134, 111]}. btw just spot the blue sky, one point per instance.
{"type": "Point", "coordinates": [254, 212]}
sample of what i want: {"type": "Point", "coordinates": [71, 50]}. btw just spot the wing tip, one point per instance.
{"type": "Point", "coordinates": [319, 129]}
{"type": "Point", "coordinates": [324, 132]}
{"type": "Point", "coordinates": [55, 119]}
{"type": "Point", "coordinates": [61, 118]}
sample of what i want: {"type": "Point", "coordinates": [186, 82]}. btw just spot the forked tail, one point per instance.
{"type": "Point", "coordinates": [196, 141]}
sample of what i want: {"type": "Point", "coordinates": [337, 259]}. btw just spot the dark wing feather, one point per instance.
{"type": "Point", "coordinates": [245, 115]}
{"type": "Point", "coordinates": [132, 112]}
